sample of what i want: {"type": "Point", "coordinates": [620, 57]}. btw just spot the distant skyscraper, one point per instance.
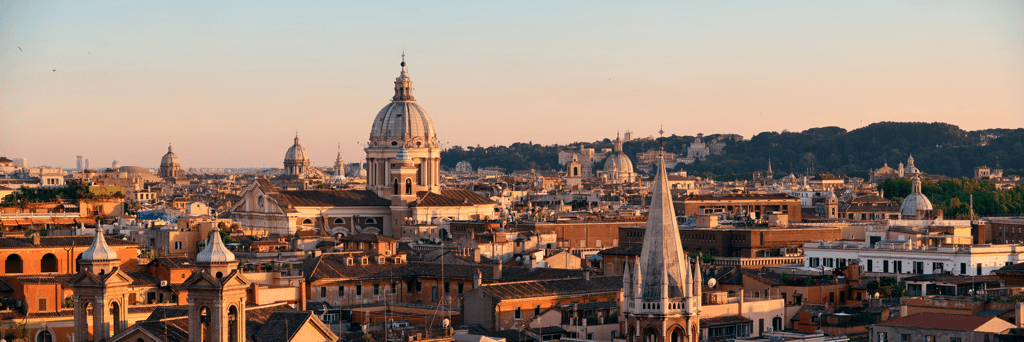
{"type": "Point", "coordinates": [87, 163]}
{"type": "Point", "coordinates": [79, 164]}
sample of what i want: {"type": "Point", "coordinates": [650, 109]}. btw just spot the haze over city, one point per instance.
{"type": "Point", "coordinates": [229, 83]}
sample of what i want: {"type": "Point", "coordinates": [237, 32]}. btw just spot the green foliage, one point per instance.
{"type": "Point", "coordinates": [74, 189]}
{"type": "Point", "coordinates": [938, 148]}
{"type": "Point", "coordinates": [953, 197]}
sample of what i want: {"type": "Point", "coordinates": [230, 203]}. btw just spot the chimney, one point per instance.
{"type": "Point", "coordinates": [1019, 313]}
{"type": "Point", "coordinates": [497, 270]}
{"type": "Point", "coordinates": [476, 254]}
{"type": "Point", "coordinates": [35, 239]}
{"type": "Point", "coordinates": [477, 279]}
{"type": "Point", "coordinates": [586, 275]}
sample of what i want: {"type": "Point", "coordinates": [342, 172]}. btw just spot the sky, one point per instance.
{"type": "Point", "coordinates": [230, 83]}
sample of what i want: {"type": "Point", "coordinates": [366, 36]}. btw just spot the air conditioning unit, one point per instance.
{"type": "Point", "coordinates": [163, 283]}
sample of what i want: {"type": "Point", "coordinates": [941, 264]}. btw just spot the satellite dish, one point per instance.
{"type": "Point", "coordinates": [712, 282]}
{"type": "Point", "coordinates": [445, 323]}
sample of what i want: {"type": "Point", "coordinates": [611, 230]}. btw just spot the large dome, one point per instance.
{"type": "Point", "coordinates": [618, 162]}
{"type": "Point", "coordinates": [136, 172]}
{"type": "Point", "coordinates": [170, 158]}
{"type": "Point", "coordinates": [296, 153]}
{"type": "Point", "coordinates": [403, 123]}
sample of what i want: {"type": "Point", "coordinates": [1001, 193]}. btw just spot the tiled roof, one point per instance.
{"type": "Point", "coordinates": [329, 198]}
{"type": "Point", "coordinates": [632, 249]}
{"type": "Point", "coordinates": [449, 198]}
{"type": "Point", "coordinates": [952, 279]}
{"type": "Point", "coordinates": [544, 288]}
{"type": "Point", "coordinates": [943, 322]}
{"type": "Point", "coordinates": [58, 241]}
{"type": "Point", "coordinates": [141, 278]}
{"type": "Point", "coordinates": [282, 325]}
{"type": "Point", "coordinates": [723, 320]}
{"type": "Point", "coordinates": [332, 266]}
{"type": "Point", "coordinates": [174, 262]}
{"type": "Point", "coordinates": [368, 237]}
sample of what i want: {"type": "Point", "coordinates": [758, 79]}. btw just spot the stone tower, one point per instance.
{"type": "Point", "coordinates": [400, 126]}
{"type": "Point", "coordinates": [216, 295]}
{"type": "Point", "coordinates": [662, 291]}
{"type": "Point", "coordinates": [101, 285]}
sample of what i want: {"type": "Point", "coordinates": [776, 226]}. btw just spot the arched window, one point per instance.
{"type": "Point", "coordinates": [339, 221]}
{"type": "Point", "coordinates": [307, 221]}
{"type": "Point", "coordinates": [371, 221]}
{"type": "Point", "coordinates": [140, 340]}
{"type": "Point", "coordinates": [232, 324]}
{"type": "Point", "coordinates": [204, 320]}
{"type": "Point", "coordinates": [677, 336]}
{"type": "Point", "coordinates": [220, 275]}
{"type": "Point", "coordinates": [48, 264]}
{"type": "Point", "coordinates": [115, 314]}
{"type": "Point", "coordinates": [408, 186]}
{"type": "Point", "coordinates": [44, 335]}
{"type": "Point", "coordinates": [575, 171]}
{"type": "Point", "coordinates": [13, 264]}
{"type": "Point", "coordinates": [260, 202]}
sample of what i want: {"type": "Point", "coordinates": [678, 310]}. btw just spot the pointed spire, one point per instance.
{"type": "Point", "coordinates": [215, 251]}
{"type": "Point", "coordinates": [769, 165]}
{"type": "Point", "coordinates": [403, 85]}
{"type": "Point", "coordinates": [99, 250]}
{"type": "Point", "coordinates": [662, 259]}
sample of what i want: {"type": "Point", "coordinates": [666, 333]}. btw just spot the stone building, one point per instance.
{"type": "Point", "coordinates": [170, 167]}
{"type": "Point", "coordinates": [932, 327]}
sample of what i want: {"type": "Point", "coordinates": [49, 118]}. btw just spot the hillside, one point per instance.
{"type": "Point", "coordinates": [938, 148]}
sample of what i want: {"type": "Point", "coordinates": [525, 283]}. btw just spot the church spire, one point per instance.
{"type": "Point", "coordinates": [663, 263]}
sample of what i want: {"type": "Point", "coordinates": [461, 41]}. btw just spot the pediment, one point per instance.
{"type": "Point", "coordinates": [235, 278]}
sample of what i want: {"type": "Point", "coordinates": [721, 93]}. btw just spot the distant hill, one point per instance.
{"type": "Point", "coordinates": [938, 148]}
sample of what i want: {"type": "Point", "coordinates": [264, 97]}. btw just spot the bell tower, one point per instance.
{"type": "Point", "coordinates": [216, 295]}
{"type": "Point", "coordinates": [101, 286]}
{"type": "Point", "coordinates": [662, 290]}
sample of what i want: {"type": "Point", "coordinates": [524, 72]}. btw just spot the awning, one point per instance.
{"type": "Point", "coordinates": [63, 221]}
{"type": "Point", "coordinates": [85, 220]}
{"type": "Point", "coordinates": [24, 222]}
{"type": "Point", "coordinates": [42, 221]}
{"type": "Point", "coordinates": [9, 223]}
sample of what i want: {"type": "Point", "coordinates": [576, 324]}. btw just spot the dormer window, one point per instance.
{"type": "Point", "coordinates": [348, 261]}
{"type": "Point", "coordinates": [365, 261]}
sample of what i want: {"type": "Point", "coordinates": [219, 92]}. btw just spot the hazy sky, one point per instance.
{"type": "Point", "coordinates": [230, 82]}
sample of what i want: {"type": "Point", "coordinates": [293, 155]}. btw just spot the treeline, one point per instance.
{"type": "Point", "coordinates": [954, 196]}
{"type": "Point", "coordinates": [938, 148]}
{"type": "Point", "coordinates": [74, 189]}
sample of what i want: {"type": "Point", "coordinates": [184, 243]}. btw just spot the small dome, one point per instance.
{"type": "Point", "coordinates": [916, 201]}
{"type": "Point", "coordinates": [170, 158]}
{"type": "Point", "coordinates": [296, 153]}
{"type": "Point", "coordinates": [215, 251]}
{"type": "Point", "coordinates": [618, 162]}
{"type": "Point", "coordinates": [403, 156]}
{"type": "Point", "coordinates": [99, 250]}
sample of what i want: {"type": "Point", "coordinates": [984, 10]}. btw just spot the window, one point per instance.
{"type": "Point", "coordinates": [419, 287]}
{"type": "Point", "coordinates": [979, 268]}
{"type": "Point", "coordinates": [48, 263]}
{"type": "Point", "coordinates": [44, 336]}
{"type": "Point", "coordinates": [307, 221]}
{"type": "Point", "coordinates": [323, 292]}
{"type": "Point", "coordinates": [433, 293]}
{"type": "Point", "coordinates": [42, 304]}
{"type": "Point", "coordinates": [359, 290]}
{"type": "Point", "coordinates": [460, 288]}
{"type": "Point", "coordinates": [905, 337]}
{"type": "Point", "coordinates": [394, 287]}
{"type": "Point", "coordinates": [883, 337]}
{"type": "Point", "coordinates": [447, 287]}
{"type": "Point", "coordinates": [341, 291]}
{"type": "Point", "coordinates": [955, 339]}
{"type": "Point", "coordinates": [929, 339]}
{"type": "Point", "coordinates": [871, 265]}
{"type": "Point", "coordinates": [519, 313]}
{"type": "Point", "coordinates": [339, 221]}
{"type": "Point", "coordinates": [376, 289]}
{"type": "Point", "coordinates": [177, 245]}
{"type": "Point", "coordinates": [371, 221]}
{"type": "Point", "coordinates": [963, 268]}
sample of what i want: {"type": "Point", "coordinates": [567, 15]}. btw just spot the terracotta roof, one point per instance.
{"type": "Point", "coordinates": [329, 198]}
{"type": "Point", "coordinates": [543, 288]}
{"type": "Point", "coordinates": [332, 266]}
{"type": "Point", "coordinates": [632, 249]}
{"type": "Point", "coordinates": [449, 198]}
{"type": "Point", "coordinates": [947, 322]}
{"type": "Point", "coordinates": [368, 237]}
{"type": "Point", "coordinates": [174, 262]}
{"type": "Point", "coordinates": [282, 325]}
{"type": "Point", "coordinates": [723, 320]}
{"type": "Point", "coordinates": [58, 241]}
